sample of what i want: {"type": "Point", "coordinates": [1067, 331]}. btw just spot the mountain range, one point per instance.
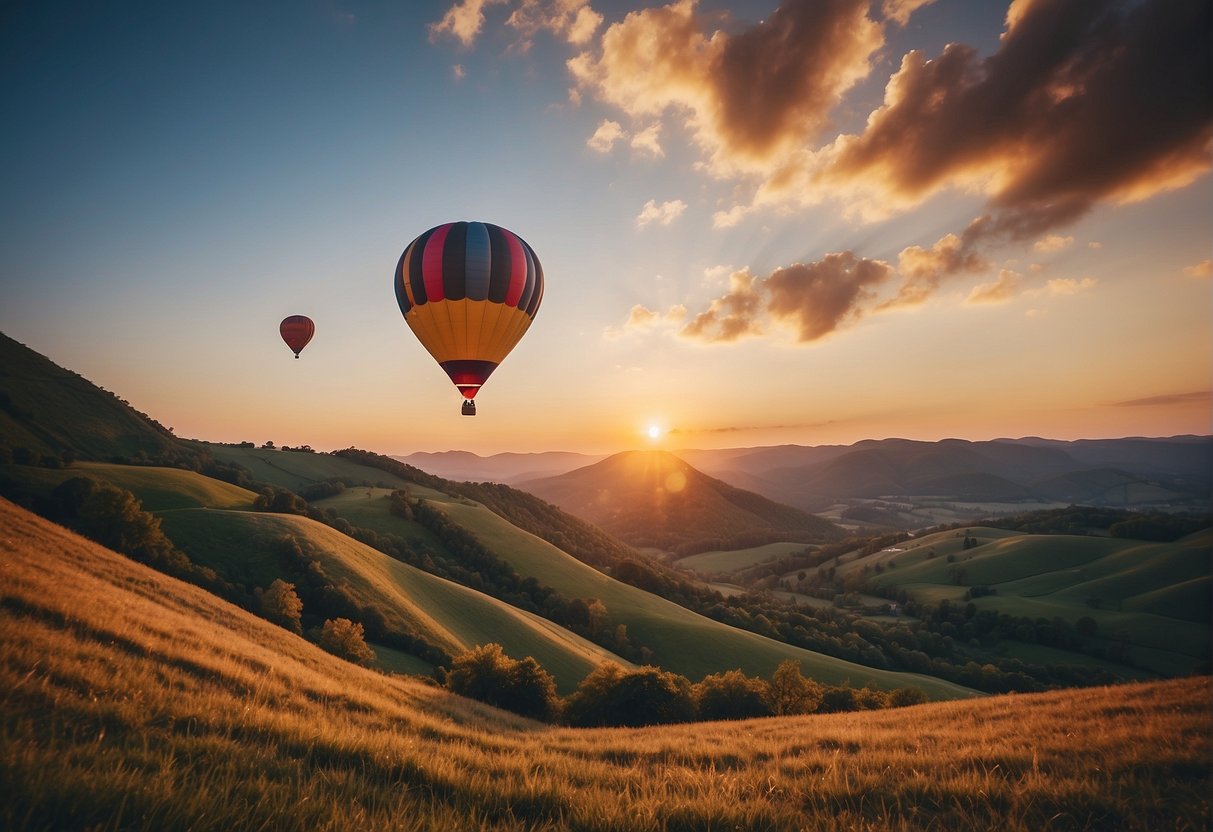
{"type": "Point", "coordinates": [1134, 471]}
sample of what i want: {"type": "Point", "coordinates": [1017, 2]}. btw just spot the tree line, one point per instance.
{"type": "Point", "coordinates": [615, 696]}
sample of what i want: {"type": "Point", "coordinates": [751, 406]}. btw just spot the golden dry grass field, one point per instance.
{"type": "Point", "coordinates": [129, 700]}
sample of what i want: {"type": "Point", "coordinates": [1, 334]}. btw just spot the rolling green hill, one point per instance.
{"type": "Point", "coordinates": [719, 562]}
{"type": "Point", "coordinates": [681, 640]}
{"type": "Point", "coordinates": [653, 498]}
{"type": "Point", "coordinates": [447, 615]}
{"type": "Point", "coordinates": [129, 700]}
{"type": "Point", "coordinates": [1152, 596]}
{"type": "Point", "coordinates": [209, 520]}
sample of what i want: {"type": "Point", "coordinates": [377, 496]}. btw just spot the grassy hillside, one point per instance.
{"type": "Point", "coordinates": [295, 469]}
{"type": "Point", "coordinates": [159, 489]}
{"type": "Point", "coordinates": [653, 498]}
{"type": "Point", "coordinates": [681, 640]}
{"type": "Point", "coordinates": [48, 410]}
{"type": "Point", "coordinates": [447, 615]}
{"type": "Point", "coordinates": [708, 563]}
{"type": "Point", "coordinates": [1154, 596]}
{"type": "Point", "coordinates": [243, 546]}
{"type": "Point", "coordinates": [129, 700]}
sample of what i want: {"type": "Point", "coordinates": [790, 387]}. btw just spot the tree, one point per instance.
{"type": "Point", "coordinates": [281, 605]}
{"type": "Point", "coordinates": [906, 696]}
{"type": "Point", "coordinates": [611, 695]}
{"type": "Point", "coordinates": [344, 638]}
{"type": "Point", "coordinates": [791, 693]}
{"type": "Point", "coordinates": [486, 673]}
{"type": "Point", "coordinates": [732, 695]}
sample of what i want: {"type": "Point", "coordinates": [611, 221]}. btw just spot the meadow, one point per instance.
{"type": "Point", "coordinates": [129, 700]}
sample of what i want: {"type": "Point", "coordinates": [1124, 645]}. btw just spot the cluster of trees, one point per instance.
{"type": "Point", "coordinates": [342, 637]}
{"type": "Point", "coordinates": [612, 695]}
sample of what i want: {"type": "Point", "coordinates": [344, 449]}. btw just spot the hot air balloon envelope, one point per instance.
{"type": "Point", "coordinates": [469, 291]}
{"type": "Point", "coordinates": [297, 330]}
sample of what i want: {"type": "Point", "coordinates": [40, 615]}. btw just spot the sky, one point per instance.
{"type": "Point", "coordinates": [760, 223]}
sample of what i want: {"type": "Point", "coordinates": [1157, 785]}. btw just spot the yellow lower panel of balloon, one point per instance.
{"type": "Point", "coordinates": [467, 330]}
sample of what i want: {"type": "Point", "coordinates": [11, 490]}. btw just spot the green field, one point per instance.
{"type": "Point", "coordinates": [445, 614]}
{"type": "Point", "coordinates": [1153, 596]}
{"type": "Point", "coordinates": [710, 563]}
{"type": "Point", "coordinates": [682, 641]}
{"type": "Point", "coordinates": [158, 489]}
{"type": "Point", "coordinates": [294, 469]}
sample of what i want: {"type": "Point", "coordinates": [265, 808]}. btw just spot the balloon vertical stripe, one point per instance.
{"type": "Point", "coordinates": [432, 262]}
{"type": "Point", "coordinates": [454, 261]}
{"type": "Point", "coordinates": [477, 262]}
{"type": "Point", "coordinates": [501, 263]}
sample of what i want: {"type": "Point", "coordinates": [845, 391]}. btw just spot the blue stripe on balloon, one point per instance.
{"type": "Point", "coordinates": [477, 261]}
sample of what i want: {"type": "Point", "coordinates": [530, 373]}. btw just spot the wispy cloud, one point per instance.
{"type": "Point", "coordinates": [1202, 269]}
{"type": "Point", "coordinates": [1069, 285]}
{"type": "Point", "coordinates": [1000, 291]}
{"type": "Point", "coordinates": [648, 140]}
{"type": "Point", "coordinates": [1053, 242]}
{"type": "Point", "coordinates": [899, 11]}
{"type": "Point", "coordinates": [662, 214]}
{"type": "Point", "coordinates": [605, 136]}
{"type": "Point", "coordinates": [1169, 400]}
{"type": "Point", "coordinates": [573, 21]}
{"type": "Point", "coordinates": [463, 21]}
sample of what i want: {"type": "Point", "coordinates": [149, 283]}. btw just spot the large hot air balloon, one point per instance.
{"type": "Point", "coordinates": [469, 291]}
{"type": "Point", "coordinates": [297, 330]}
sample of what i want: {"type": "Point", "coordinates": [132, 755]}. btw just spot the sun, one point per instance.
{"type": "Point", "coordinates": [654, 431]}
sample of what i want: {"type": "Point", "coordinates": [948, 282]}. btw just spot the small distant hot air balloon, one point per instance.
{"type": "Point", "coordinates": [297, 330]}
{"type": "Point", "coordinates": [468, 291]}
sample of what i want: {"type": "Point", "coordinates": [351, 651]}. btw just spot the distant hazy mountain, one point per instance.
{"type": "Point", "coordinates": [1105, 471]}
{"type": "Point", "coordinates": [1124, 472]}
{"type": "Point", "coordinates": [653, 498]}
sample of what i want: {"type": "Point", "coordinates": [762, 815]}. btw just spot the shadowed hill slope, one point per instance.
{"type": "Point", "coordinates": [48, 410]}
{"type": "Point", "coordinates": [653, 498]}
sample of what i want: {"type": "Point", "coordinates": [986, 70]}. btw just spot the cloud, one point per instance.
{"type": "Point", "coordinates": [812, 299]}
{"type": "Point", "coordinates": [605, 136]}
{"type": "Point", "coordinates": [1070, 285]}
{"type": "Point", "coordinates": [463, 21]}
{"type": "Point", "coordinates": [1000, 291]}
{"type": "Point", "coordinates": [899, 11]}
{"type": "Point", "coordinates": [922, 270]}
{"type": "Point", "coordinates": [458, 72]}
{"type": "Point", "coordinates": [1077, 106]}
{"type": "Point", "coordinates": [648, 140]}
{"type": "Point", "coordinates": [1202, 269]}
{"type": "Point", "coordinates": [731, 316]}
{"type": "Point", "coordinates": [817, 298]}
{"type": "Point", "coordinates": [642, 319]}
{"type": "Point", "coordinates": [662, 214]}
{"type": "Point", "coordinates": [746, 98]}
{"type": "Point", "coordinates": [1169, 400]}
{"type": "Point", "coordinates": [1053, 242]}
{"type": "Point", "coordinates": [573, 21]}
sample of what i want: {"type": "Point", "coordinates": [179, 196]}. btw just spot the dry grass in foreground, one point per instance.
{"type": "Point", "coordinates": [129, 700]}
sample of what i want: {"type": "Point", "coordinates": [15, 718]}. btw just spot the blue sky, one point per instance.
{"type": "Point", "coordinates": [177, 179]}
